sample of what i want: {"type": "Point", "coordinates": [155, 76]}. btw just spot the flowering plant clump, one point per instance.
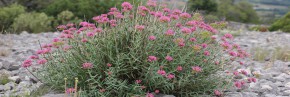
{"type": "Point", "coordinates": [138, 51]}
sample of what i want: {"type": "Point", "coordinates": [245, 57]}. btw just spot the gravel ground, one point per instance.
{"type": "Point", "coordinates": [274, 80]}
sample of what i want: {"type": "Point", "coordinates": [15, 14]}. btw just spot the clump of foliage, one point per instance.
{"type": "Point", "coordinates": [211, 18]}
{"type": "Point", "coordinates": [7, 15]}
{"type": "Point", "coordinates": [4, 79]}
{"type": "Point", "coordinates": [282, 24]}
{"type": "Point", "coordinates": [34, 5]}
{"type": "Point", "coordinates": [240, 12]}
{"type": "Point", "coordinates": [203, 5]}
{"type": "Point", "coordinates": [82, 9]}
{"type": "Point", "coordinates": [279, 53]}
{"type": "Point", "coordinates": [32, 22]}
{"type": "Point", "coordinates": [259, 28]}
{"type": "Point", "coordinates": [225, 9]}
{"type": "Point", "coordinates": [66, 17]}
{"type": "Point", "coordinates": [139, 50]}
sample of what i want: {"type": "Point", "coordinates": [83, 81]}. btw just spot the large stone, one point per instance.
{"type": "Point", "coordinates": [9, 86]}
{"type": "Point", "coordinates": [281, 77]}
{"type": "Point", "coordinates": [1, 65]}
{"type": "Point", "coordinates": [13, 78]}
{"type": "Point", "coordinates": [14, 66]}
{"type": "Point", "coordinates": [2, 88]}
{"type": "Point", "coordinates": [270, 95]}
{"type": "Point", "coordinates": [287, 85]}
{"type": "Point", "coordinates": [10, 65]}
{"type": "Point", "coordinates": [266, 87]}
{"type": "Point", "coordinates": [249, 94]}
{"type": "Point", "coordinates": [54, 95]}
{"type": "Point", "coordinates": [286, 93]}
{"type": "Point", "coordinates": [6, 64]}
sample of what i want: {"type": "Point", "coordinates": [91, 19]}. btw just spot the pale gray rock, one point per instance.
{"type": "Point", "coordinates": [2, 88]}
{"type": "Point", "coordinates": [13, 78]}
{"type": "Point", "coordinates": [286, 93]}
{"type": "Point", "coordinates": [270, 95]}
{"type": "Point", "coordinates": [266, 87]}
{"type": "Point", "coordinates": [54, 95]}
{"type": "Point", "coordinates": [1, 65]}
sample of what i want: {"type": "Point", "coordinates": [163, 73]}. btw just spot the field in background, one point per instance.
{"type": "Point", "coordinates": [269, 10]}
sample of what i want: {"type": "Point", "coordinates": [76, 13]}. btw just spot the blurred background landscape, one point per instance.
{"type": "Point", "coordinates": [37, 16]}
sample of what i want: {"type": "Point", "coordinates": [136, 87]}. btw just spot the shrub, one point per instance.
{"type": "Point", "coordinates": [82, 9]}
{"type": "Point", "coordinates": [259, 28]}
{"type": "Point", "coordinates": [4, 79]}
{"type": "Point", "coordinates": [34, 5]}
{"type": "Point", "coordinates": [282, 24]}
{"type": "Point", "coordinates": [66, 17]}
{"type": "Point", "coordinates": [32, 22]}
{"type": "Point", "coordinates": [134, 53]}
{"type": "Point", "coordinates": [204, 5]}
{"type": "Point", "coordinates": [211, 18]}
{"type": "Point", "coordinates": [7, 15]}
{"type": "Point", "coordinates": [239, 12]}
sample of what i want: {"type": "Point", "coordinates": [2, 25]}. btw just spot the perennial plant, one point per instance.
{"type": "Point", "coordinates": [137, 51]}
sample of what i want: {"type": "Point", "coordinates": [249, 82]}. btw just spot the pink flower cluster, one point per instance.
{"type": "Point", "coordinates": [87, 65]}
{"type": "Point", "coordinates": [126, 6]}
{"type": "Point", "coordinates": [70, 90]}
{"type": "Point", "coordinates": [196, 69]}
{"type": "Point", "coordinates": [152, 58]}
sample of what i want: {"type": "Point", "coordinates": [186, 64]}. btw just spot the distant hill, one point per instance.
{"type": "Point", "coordinates": [270, 9]}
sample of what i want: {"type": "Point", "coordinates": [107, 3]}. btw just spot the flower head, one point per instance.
{"type": "Point", "coordinates": [170, 76]}
{"type": "Point", "coordinates": [164, 19]}
{"type": "Point", "coordinates": [156, 91]}
{"type": "Point", "coordinates": [140, 27]}
{"type": "Point", "coordinates": [27, 63]}
{"type": "Point", "coordinates": [166, 10]}
{"type": "Point", "coordinates": [42, 61]}
{"type": "Point", "coordinates": [152, 58]}
{"type": "Point", "coordinates": [149, 95]}
{"type": "Point", "coordinates": [204, 45]}
{"type": "Point", "coordinates": [161, 72]}
{"type": "Point", "coordinates": [90, 34]}
{"type": "Point", "coordinates": [138, 81]}
{"type": "Point", "coordinates": [217, 93]}
{"type": "Point", "coordinates": [244, 72]}
{"type": "Point", "coordinates": [127, 6]}
{"type": "Point", "coordinates": [109, 65]}
{"type": "Point", "coordinates": [192, 39]}
{"type": "Point", "coordinates": [179, 68]}
{"type": "Point", "coordinates": [70, 90]}
{"type": "Point", "coordinates": [151, 3]}
{"type": "Point", "coordinates": [169, 32]}
{"type": "Point", "coordinates": [87, 65]}
{"type": "Point", "coordinates": [168, 58]}
{"type": "Point", "coordinates": [84, 40]}
{"type": "Point", "coordinates": [238, 84]}
{"type": "Point", "coordinates": [102, 90]}
{"type": "Point", "coordinates": [232, 53]}
{"type": "Point", "coordinates": [206, 53]}
{"type": "Point", "coordinates": [236, 73]}
{"type": "Point", "coordinates": [151, 37]}
{"type": "Point", "coordinates": [196, 69]}
{"type": "Point", "coordinates": [176, 11]}
{"type": "Point", "coordinates": [34, 57]}
{"type": "Point", "coordinates": [230, 36]}
{"type": "Point", "coordinates": [186, 30]}
{"type": "Point", "coordinates": [185, 15]}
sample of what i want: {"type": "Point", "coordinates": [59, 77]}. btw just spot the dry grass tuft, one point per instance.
{"type": "Point", "coordinates": [280, 53]}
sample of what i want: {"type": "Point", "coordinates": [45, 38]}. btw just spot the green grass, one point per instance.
{"type": "Point", "coordinates": [280, 53]}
